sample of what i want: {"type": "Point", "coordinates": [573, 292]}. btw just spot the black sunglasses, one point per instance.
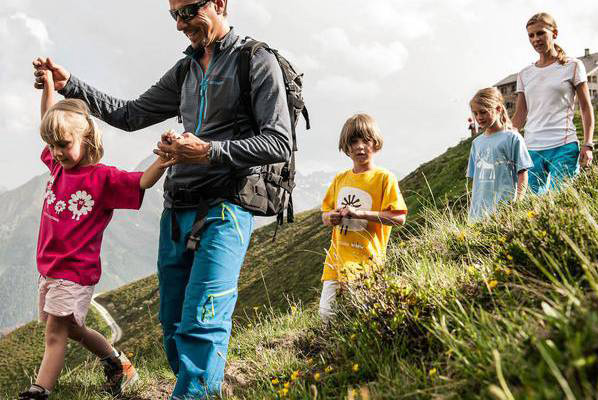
{"type": "Point", "coordinates": [188, 12]}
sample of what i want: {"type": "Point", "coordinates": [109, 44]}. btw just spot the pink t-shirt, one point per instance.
{"type": "Point", "coordinates": [77, 208]}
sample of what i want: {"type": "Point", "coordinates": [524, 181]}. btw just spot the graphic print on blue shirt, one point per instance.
{"type": "Point", "coordinates": [494, 163]}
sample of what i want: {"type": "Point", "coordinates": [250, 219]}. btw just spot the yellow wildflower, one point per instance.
{"type": "Point", "coordinates": [355, 367]}
{"type": "Point", "coordinates": [130, 355]}
{"type": "Point", "coordinates": [353, 337]}
{"type": "Point", "coordinates": [286, 385]}
{"type": "Point", "coordinates": [295, 375]}
{"type": "Point", "coordinates": [433, 372]}
{"type": "Point", "coordinates": [461, 236]}
{"type": "Point", "coordinates": [275, 381]}
{"type": "Point", "coordinates": [328, 369]}
{"type": "Point", "coordinates": [283, 392]}
{"type": "Point", "coordinates": [317, 376]}
{"type": "Point", "coordinates": [531, 214]}
{"type": "Point", "coordinates": [492, 284]}
{"type": "Point", "coordinates": [509, 257]}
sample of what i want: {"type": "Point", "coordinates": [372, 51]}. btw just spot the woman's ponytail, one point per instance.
{"type": "Point", "coordinates": [561, 55]}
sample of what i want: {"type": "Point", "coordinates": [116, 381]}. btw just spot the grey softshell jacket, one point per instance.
{"type": "Point", "coordinates": [210, 103]}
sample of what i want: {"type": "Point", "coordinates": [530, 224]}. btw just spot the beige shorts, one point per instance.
{"type": "Point", "coordinates": [61, 298]}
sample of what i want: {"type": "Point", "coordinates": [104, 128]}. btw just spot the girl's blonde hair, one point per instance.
{"type": "Point", "coordinates": [72, 116]}
{"type": "Point", "coordinates": [360, 126]}
{"type": "Point", "coordinates": [549, 22]}
{"type": "Point", "coordinates": [491, 99]}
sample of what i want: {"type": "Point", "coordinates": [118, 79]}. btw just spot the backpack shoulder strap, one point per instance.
{"type": "Point", "coordinates": [247, 52]}
{"type": "Point", "coordinates": [181, 73]}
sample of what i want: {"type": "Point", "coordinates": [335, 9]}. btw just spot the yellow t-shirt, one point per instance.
{"type": "Point", "coordinates": [356, 242]}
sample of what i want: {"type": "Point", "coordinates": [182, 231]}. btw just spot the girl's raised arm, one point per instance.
{"type": "Point", "coordinates": [48, 92]}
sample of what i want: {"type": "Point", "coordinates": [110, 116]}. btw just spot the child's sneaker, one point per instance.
{"type": "Point", "coordinates": [32, 394]}
{"type": "Point", "coordinates": [119, 372]}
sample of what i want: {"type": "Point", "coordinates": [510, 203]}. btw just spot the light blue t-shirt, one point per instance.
{"type": "Point", "coordinates": [494, 162]}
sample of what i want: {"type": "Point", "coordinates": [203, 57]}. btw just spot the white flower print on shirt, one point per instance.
{"type": "Point", "coordinates": [80, 204]}
{"type": "Point", "coordinates": [50, 197]}
{"type": "Point", "coordinates": [60, 206]}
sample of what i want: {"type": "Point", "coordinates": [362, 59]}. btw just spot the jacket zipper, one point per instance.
{"type": "Point", "coordinates": [235, 220]}
{"type": "Point", "coordinates": [203, 88]}
{"type": "Point", "coordinates": [211, 298]}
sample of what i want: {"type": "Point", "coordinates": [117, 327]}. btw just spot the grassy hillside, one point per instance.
{"type": "Point", "coordinates": [503, 309]}
{"type": "Point", "coordinates": [495, 309]}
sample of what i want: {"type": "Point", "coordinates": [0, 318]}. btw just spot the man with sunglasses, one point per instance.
{"type": "Point", "coordinates": [198, 290]}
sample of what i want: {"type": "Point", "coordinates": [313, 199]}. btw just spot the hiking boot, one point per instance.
{"type": "Point", "coordinates": [29, 395]}
{"type": "Point", "coordinates": [119, 372]}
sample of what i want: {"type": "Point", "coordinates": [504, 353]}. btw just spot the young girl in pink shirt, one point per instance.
{"type": "Point", "coordinates": [79, 200]}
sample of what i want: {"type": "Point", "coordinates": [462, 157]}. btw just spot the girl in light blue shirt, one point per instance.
{"type": "Point", "coordinates": [498, 160]}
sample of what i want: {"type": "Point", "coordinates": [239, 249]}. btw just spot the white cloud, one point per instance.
{"type": "Point", "coordinates": [36, 28]}
{"type": "Point", "coordinates": [343, 88]}
{"type": "Point", "coordinates": [303, 62]}
{"type": "Point", "coordinates": [251, 12]}
{"type": "Point", "coordinates": [16, 113]}
{"type": "Point", "coordinates": [404, 19]}
{"type": "Point", "coordinates": [372, 58]}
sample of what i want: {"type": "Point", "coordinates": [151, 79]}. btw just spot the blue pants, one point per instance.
{"type": "Point", "coordinates": [198, 293]}
{"type": "Point", "coordinates": [557, 164]}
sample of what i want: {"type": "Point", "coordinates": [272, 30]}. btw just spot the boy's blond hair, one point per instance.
{"type": "Point", "coordinates": [72, 116]}
{"type": "Point", "coordinates": [360, 126]}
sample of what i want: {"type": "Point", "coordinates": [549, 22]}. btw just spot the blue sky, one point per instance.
{"type": "Point", "coordinates": [412, 64]}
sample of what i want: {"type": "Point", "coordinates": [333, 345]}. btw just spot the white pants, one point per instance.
{"type": "Point", "coordinates": [327, 299]}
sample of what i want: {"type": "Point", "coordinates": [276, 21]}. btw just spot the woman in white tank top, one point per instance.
{"type": "Point", "coordinates": [546, 93]}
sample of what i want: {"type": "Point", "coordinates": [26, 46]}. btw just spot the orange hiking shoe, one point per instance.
{"type": "Point", "coordinates": [119, 372]}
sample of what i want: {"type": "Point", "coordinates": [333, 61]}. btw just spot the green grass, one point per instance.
{"type": "Point", "coordinates": [503, 309]}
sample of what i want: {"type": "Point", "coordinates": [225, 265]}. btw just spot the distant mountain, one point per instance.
{"type": "Point", "coordinates": [129, 249]}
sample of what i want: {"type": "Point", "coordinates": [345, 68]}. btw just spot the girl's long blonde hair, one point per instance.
{"type": "Point", "coordinates": [549, 22]}
{"type": "Point", "coordinates": [72, 116]}
{"type": "Point", "coordinates": [491, 99]}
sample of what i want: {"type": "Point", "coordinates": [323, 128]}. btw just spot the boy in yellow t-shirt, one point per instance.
{"type": "Point", "coordinates": [361, 204]}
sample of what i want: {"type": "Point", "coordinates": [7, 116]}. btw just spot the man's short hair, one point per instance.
{"type": "Point", "coordinates": [360, 126]}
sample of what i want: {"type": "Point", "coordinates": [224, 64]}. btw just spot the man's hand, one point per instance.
{"type": "Point", "coordinates": [586, 156]}
{"type": "Point", "coordinates": [349, 212]}
{"type": "Point", "coordinates": [60, 75]}
{"type": "Point", "coordinates": [186, 149]}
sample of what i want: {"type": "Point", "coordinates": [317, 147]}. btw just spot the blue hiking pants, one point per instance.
{"type": "Point", "coordinates": [198, 292]}
{"type": "Point", "coordinates": [552, 166]}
